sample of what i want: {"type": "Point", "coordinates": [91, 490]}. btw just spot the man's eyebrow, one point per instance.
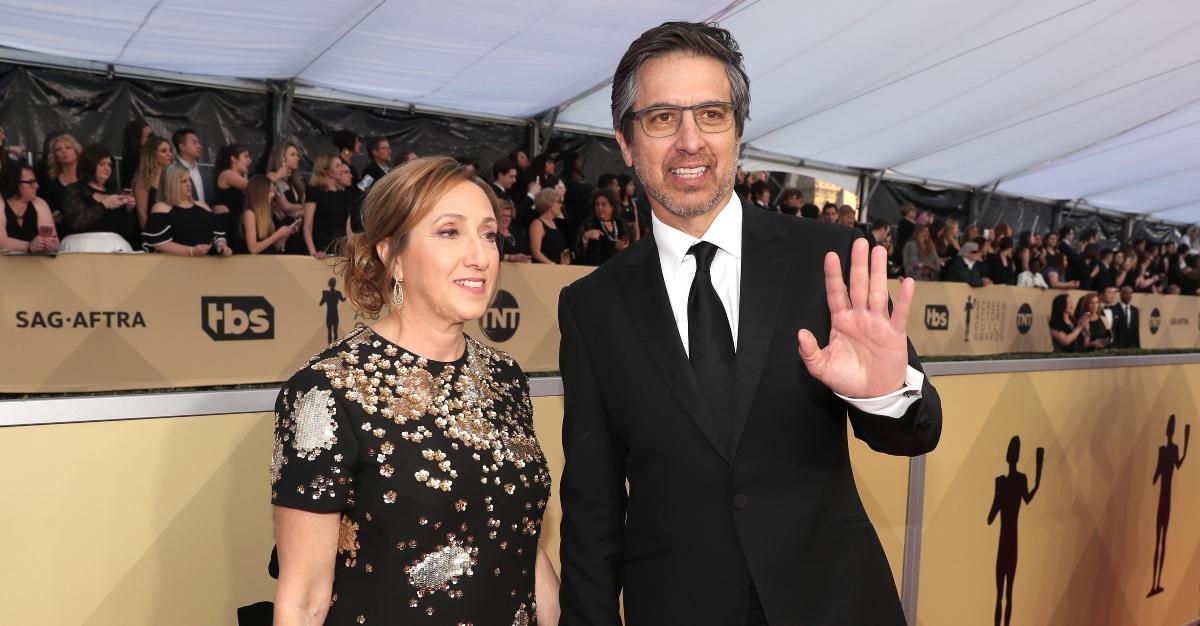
{"type": "Point", "coordinates": [672, 105]}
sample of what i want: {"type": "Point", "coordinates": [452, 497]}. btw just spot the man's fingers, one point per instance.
{"type": "Point", "coordinates": [902, 304]}
{"type": "Point", "coordinates": [835, 287]}
{"type": "Point", "coordinates": [877, 293]}
{"type": "Point", "coordinates": [859, 277]}
{"type": "Point", "coordinates": [809, 350]}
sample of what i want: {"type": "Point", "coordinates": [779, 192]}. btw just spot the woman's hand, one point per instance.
{"type": "Point", "coordinates": [319, 255]}
{"type": "Point", "coordinates": [199, 249]}
{"type": "Point", "coordinates": [113, 201]}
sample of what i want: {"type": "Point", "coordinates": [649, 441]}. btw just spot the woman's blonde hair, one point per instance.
{"type": "Point", "coordinates": [168, 184]}
{"type": "Point", "coordinates": [53, 167]}
{"type": "Point", "coordinates": [321, 176]}
{"type": "Point", "coordinates": [545, 199]}
{"type": "Point", "coordinates": [392, 209]}
{"type": "Point", "coordinates": [278, 156]}
{"type": "Point", "coordinates": [148, 169]}
{"type": "Point", "coordinates": [258, 201]}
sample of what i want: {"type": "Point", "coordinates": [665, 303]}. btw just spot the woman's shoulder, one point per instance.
{"type": "Point", "coordinates": [160, 207]}
{"type": "Point", "coordinates": [325, 369]}
{"type": "Point", "coordinates": [496, 359]}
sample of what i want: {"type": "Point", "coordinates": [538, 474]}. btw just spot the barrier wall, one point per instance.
{"type": "Point", "coordinates": [84, 322]}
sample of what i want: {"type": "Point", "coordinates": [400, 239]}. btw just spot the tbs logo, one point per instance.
{"type": "Point", "coordinates": [937, 317]}
{"type": "Point", "coordinates": [232, 318]}
{"type": "Point", "coordinates": [502, 318]}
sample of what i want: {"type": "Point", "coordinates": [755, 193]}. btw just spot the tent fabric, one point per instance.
{"type": "Point", "coordinates": [1095, 101]}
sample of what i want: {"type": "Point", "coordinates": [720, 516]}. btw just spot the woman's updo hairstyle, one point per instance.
{"type": "Point", "coordinates": [392, 209]}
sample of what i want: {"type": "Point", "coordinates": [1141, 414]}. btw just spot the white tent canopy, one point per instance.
{"type": "Point", "coordinates": [1082, 100]}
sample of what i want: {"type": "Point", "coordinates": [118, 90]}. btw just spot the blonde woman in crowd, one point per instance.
{"type": "Point", "coordinates": [266, 230]}
{"type": "Point", "coordinates": [179, 224]}
{"type": "Point", "coordinates": [156, 154]}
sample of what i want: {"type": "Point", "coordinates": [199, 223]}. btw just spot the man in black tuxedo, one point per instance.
{"type": "Point", "coordinates": [504, 174]}
{"type": "Point", "coordinates": [1126, 329]}
{"type": "Point", "coordinates": [379, 150]}
{"type": "Point", "coordinates": [693, 373]}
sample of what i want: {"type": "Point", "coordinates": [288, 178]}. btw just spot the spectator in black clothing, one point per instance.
{"type": "Point", "coordinates": [790, 201]}
{"type": "Point", "coordinates": [1189, 276]}
{"type": "Point", "coordinates": [62, 164]}
{"type": "Point", "coordinates": [829, 213]}
{"type": "Point", "coordinates": [1098, 334]}
{"type": "Point", "coordinates": [329, 200]}
{"type": "Point", "coordinates": [229, 194]}
{"type": "Point", "coordinates": [504, 176]}
{"type": "Point", "coordinates": [967, 267]}
{"type": "Point", "coordinates": [1002, 265]}
{"type": "Point", "coordinates": [1075, 269]}
{"type": "Point", "coordinates": [1100, 270]}
{"type": "Point", "coordinates": [609, 181]}
{"type": "Point", "coordinates": [542, 168]}
{"type": "Point", "coordinates": [189, 150]}
{"type": "Point", "coordinates": [133, 139]}
{"type": "Point", "coordinates": [264, 229]}
{"type": "Point", "coordinates": [348, 144]}
{"type": "Point", "coordinates": [156, 155]}
{"type": "Point", "coordinates": [810, 211]}
{"type": "Point", "coordinates": [1126, 322]}
{"type": "Point", "coordinates": [760, 194]}
{"type": "Point", "coordinates": [283, 168]}
{"type": "Point", "coordinates": [179, 224]}
{"type": "Point", "coordinates": [520, 158]}
{"type": "Point", "coordinates": [602, 234]}
{"type": "Point", "coordinates": [88, 207]}
{"type": "Point", "coordinates": [1057, 267]}
{"type": "Point", "coordinates": [577, 205]}
{"type": "Point", "coordinates": [632, 210]}
{"type": "Point", "coordinates": [1144, 278]}
{"type": "Point", "coordinates": [26, 224]}
{"type": "Point", "coordinates": [904, 230]}
{"type": "Point", "coordinates": [547, 243]}
{"type": "Point", "coordinates": [513, 241]}
{"type": "Point", "coordinates": [1066, 333]}
{"type": "Point", "coordinates": [379, 150]}
{"type": "Point", "coordinates": [9, 155]}
{"type": "Point", "coordinates": [881, 233]}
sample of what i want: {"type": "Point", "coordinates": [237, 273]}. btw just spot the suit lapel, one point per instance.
{"type": "Point", "coordinates": [645, 297]}
{"type": "Point", "coordinates": [762, 254]}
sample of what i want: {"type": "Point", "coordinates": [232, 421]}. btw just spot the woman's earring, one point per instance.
{"type": "Point", "coordinates": [397, 294]}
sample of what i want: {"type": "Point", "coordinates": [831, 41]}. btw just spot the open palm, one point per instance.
{"type": "Point", "coordinates": [867, 355]}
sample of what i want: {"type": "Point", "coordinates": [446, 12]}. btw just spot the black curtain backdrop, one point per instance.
{"type": "Point", "coordinates": [888, 196]}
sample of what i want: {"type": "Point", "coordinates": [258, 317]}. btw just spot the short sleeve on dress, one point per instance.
{"type": "Point", "coordinates": [316, 452]}
{"type": "Point", "coordinates": [157, 231]}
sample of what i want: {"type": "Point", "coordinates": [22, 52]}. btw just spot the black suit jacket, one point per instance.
{"type": "Point", "coordinates": [375, 172]}
{"type": "Point", "coordinates": [1126, 332]}
{"type": "Point", "coordinates": [705, 518]}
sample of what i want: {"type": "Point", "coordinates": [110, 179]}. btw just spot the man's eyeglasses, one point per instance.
{"type": "Point", "coordinates": [711, 117]}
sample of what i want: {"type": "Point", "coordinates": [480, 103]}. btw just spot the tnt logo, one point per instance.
{"type": "Point", "coordinates": [233, 318]}
{"type": "Point", "coordinates": [1024, 318]}
{"type": "Point", "coordinates": [937, 317]}
{"type": "Point", "coordinates": [502, 318]}
{"type": "Point", "coordinates": [1155, 321]}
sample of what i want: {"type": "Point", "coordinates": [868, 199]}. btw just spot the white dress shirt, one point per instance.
{"type": "Point", "coordinates": [197, 181]}
{"type": "Point", "coordinates": [679, 269]}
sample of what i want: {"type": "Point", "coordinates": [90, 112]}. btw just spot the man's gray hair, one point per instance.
{"type": "Point", "coordinates": [692, 38]}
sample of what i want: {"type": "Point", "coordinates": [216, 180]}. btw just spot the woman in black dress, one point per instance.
{"type": "Point", "coordinates": [62, 165]}
{"type": "Point", "coordinates": [283, 168]}
{"type": "Point", "coordinates": [157, 154]}
{"type": "Point", "coordinates": [408, 484]}
{"type": "Point", "coordinates": [1066, 333]}
{"type": "Point", "coordinates": [88, 207]}
{"type": "Point", "coordinates": [179, 225]}
{"type": "Point", "coordinates": [329, 200]}
{"type": "Point", "coordinates": [264, 230]}
{"type": "Point", "coordinates": [229, 195]}
{"type": "Point", "coordinates": [1098, 334]}
{"type": "Point", "coordinates": [25, 224]}
{"type": "Point", "coordinates": [133, 142]}
{"type": "Point", "coordinates": [514, 242]}
{"type": "Point", "coordinates": [602, 234]}
{"type": "Point", "coordinates": [547, 243]}
{"type": "Point", "coordinates": [1001, 266]}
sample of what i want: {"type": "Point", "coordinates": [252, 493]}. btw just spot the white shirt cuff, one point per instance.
{"type": "Point", "coordinates": [894, 404]}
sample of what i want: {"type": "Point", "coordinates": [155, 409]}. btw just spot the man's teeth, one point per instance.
{"type": "Point", "coordinates": [688, 172]}
{"type": "Point", "coordinates": [470, 284]}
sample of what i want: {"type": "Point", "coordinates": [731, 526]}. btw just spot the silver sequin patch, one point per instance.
{"type": "Point", "coordinates": [277, 460]}
{"type": "Point", "coordinates": [313, 422]}
{"type": "Point", "coordinates": [441, 568]}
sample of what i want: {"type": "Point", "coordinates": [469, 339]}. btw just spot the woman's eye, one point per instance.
{"type": "Point", "coordinates": [449, 232]}
{"type": "Point", "coordinates": [489, 236]}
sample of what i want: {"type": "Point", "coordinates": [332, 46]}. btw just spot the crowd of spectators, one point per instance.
{"type": "Point", "coordinates": [70, 200]}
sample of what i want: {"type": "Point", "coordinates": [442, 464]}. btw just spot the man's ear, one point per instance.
{"type": "Point", "coordinates": [626, 148]}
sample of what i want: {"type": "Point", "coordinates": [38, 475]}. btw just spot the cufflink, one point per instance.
{"type": "Point", "coordinates": [911, 393]}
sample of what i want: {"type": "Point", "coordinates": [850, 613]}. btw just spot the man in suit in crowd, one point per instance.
{"type": "Point", "coordinates": [380, 151]}
{"type": "Point", "coordinates": [1127, 331]}
{"type": "Point", "coordinates": [189, 151]}
{"type": "Point", "coordinates": [504, 174]}
{"type": "Point", "coordinates": [693, 372]}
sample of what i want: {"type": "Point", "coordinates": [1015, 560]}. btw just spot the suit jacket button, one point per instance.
{"type": "Point", "coordinates": [740, 502]}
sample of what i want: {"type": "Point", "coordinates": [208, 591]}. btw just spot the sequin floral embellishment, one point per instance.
{"type": "Point", "coordinates": [313, 423]}
{"type": "Point", "coordinates": [441, 568]}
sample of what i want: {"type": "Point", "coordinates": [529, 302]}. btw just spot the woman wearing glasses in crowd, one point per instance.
{"type": "Point", "coordinates": [26, 224]}
{"type": "Point", "coordinates": [602, 234]}
{"type": "Point", "coordinates": [265, 229]}
{"type": "Point", "coordinates": [179, 224]}
{"type": "Point", "coordinates": [93, 217]}
{"type": "Point", "coordinates": [407, 481]}
{"type": "Point", "coordinates": [514, 243]}
{"type": "Point", "coordinates": [156, 155]}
